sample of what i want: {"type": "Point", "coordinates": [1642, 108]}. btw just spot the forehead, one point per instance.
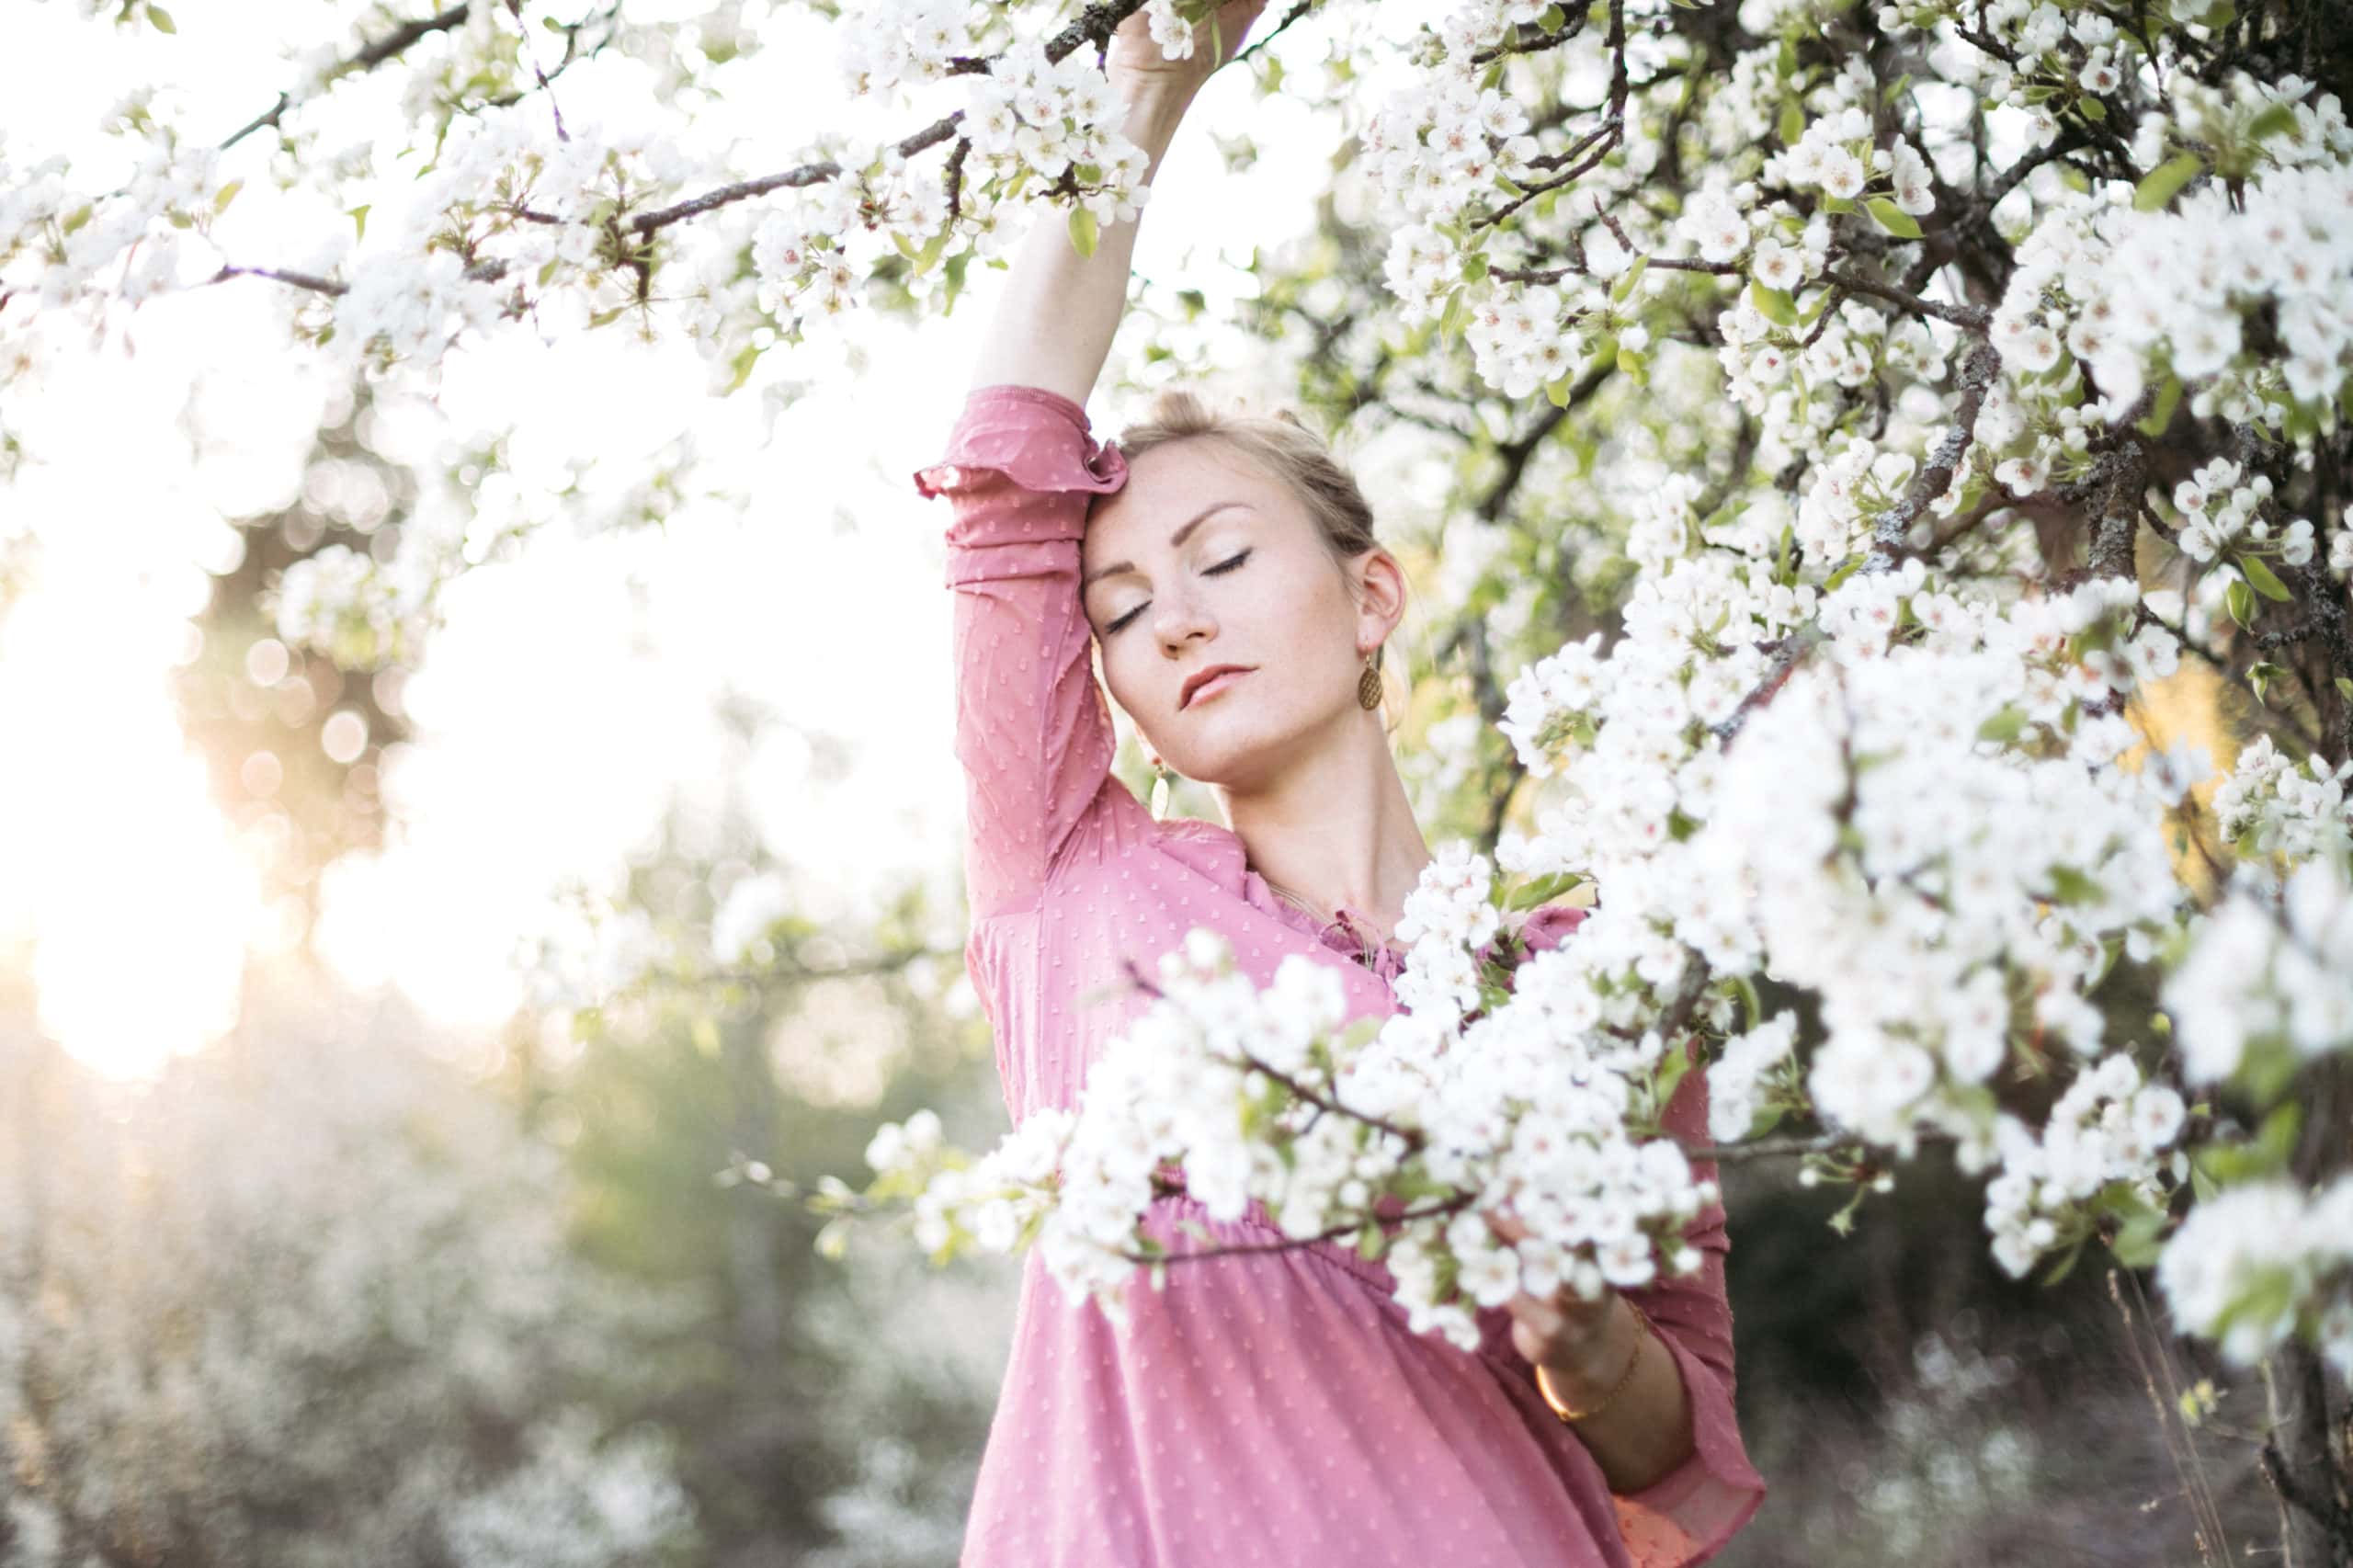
{"type": "Point", "coordinates": [1169, 486]}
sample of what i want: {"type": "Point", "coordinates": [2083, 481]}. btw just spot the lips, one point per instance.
{"type": "Point", "coordinates": [1202, 680]}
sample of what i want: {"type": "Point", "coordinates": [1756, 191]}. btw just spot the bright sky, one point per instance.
{"type": "Point", "coordinates": [569, 698]}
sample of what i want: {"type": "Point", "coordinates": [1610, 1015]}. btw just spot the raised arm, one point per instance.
{"type": "Point", "coordinates": [1032, 731]}
{"type": "Point", "coordinates": [1054, 322]}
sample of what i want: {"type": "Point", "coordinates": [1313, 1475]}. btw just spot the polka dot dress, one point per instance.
{"type": "Point", "coordinates": [1269, 1410]}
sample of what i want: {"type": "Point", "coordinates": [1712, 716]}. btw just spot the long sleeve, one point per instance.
{"type": "Point", "coordinates": [1687, 1515]}
{"type": "Point", "coordinates": [1033, 731]}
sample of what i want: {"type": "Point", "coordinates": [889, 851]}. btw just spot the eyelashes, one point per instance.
{"type": "Point", "coordinates": [1220, 567]}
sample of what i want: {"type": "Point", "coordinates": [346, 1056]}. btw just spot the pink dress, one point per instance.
{"type": "Point", "coordinates": [1271, 1410]}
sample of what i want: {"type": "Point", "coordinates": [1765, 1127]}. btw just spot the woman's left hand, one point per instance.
{"type": "Point", "coordinates": [1561, 1332]}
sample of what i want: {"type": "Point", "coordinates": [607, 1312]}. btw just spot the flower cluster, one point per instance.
{"type": "Point", "coordinates": [1747, 1063]}
{"type": "Point", "coordinates": [1837, 156]}
{"type": "Point", "coordinates": [1271, 1106]}
{"type": "Point", "coordinates": [2135, 297]}
{"type": "Point", "coordinates": [364, 614]}
{"type": "Point", "coordinates": [2109, 1126]}
{"type": "Point", "coordinates": [1035, 119]}
{"type": "Point", "coordinates": [2256, 1262]}
{"type": "Point", "coordinates": [2273, 806]}
{"type": "Point", "coordinates": [2272, 969]}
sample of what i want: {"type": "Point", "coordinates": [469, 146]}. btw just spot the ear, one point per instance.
{"type": "Point", "coordinates": [1380, 596]}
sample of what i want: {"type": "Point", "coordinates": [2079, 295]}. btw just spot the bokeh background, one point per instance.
{"type": "Point", "coordinates": [372, 1045]}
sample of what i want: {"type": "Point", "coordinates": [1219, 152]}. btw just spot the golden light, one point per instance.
{"type": "Point", "coordinates": [115, 868]}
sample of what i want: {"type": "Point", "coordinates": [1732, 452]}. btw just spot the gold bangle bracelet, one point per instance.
{"type": "Point", "coordinates": [1544, 1385]}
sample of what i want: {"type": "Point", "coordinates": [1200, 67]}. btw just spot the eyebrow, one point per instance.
{"type": "Point", "coordinates": [1174, 540]}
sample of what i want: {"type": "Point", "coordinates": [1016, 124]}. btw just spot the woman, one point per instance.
{"type": "Point", "coordinates": [1272, 1409]}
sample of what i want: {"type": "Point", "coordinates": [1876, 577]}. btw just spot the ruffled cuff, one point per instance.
{"type": "Point", "coordinates": [1688, 1515]}
{"type": "Point", "coordinates": [1037, 438]}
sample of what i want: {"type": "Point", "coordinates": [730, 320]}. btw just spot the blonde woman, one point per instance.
{"type": "Point", "coordinates": [1271, 1409]}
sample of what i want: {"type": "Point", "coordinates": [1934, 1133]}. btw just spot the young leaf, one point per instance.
{"type": "Point", "coordinates": [1774, 304]}
{"type": "Point", "coordinates": [2272, 121]}
{"type": "Point", "coordinates": [2261, 576]}
{"type": "Point", "coordinates": [1893, 218]}
{"type": "Point", "coordinates": [2160, 183]}
{"type": "Point", "coordinates": [1082, 230]}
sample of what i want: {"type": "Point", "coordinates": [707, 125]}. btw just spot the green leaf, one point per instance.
{"type": "Point", "coordinates": [2066, 1265]}
{"type": "Point", "coordinates": [1625, 288]}
{"type": "Point", "coordinates": [1558, 393]}
{"type": "Point", "coordinates": [1774, 304]}
{"type": "Point", "coordinates": [225, 195]}
{"type": "Point", "coordinates": [2261, 676]}
{"type": "Point", "coordinates": [746, 357]}
{"type": "Point", "coordinates": [1082, 230]}
{"type": "Point", "coordinates": [833, 1239]}
{"type": "Point", "coordinates": [2140, 1241]}
{"type": "Point", "coordinates": [2161, 184]}
{"type": "Point", "coordinates": [2003, 727]}
{"type": "Point", "coordinates": [358, 216]}
{"type": "Point", "coordinates": [1893, 218]}
{"type": "Point", "coordinates": [1785, 61]}
{"type": "Point", "coordinates": [1543, 891]}
{"type": "Point", "coordinates": [1753, 1009]}
{"type": "Point", "coordinates": [78, 217]}
{"type": "Point", "coordinates": [1792, 122]}
{"type": "Point", "coordinates": [2239, 599]}
{"type": "Point", "coordinates": [161, 20]}
{"type": "Point", "coordinates": [2091, 108]}
{"type": "Point", "coordinates": [2344, 689]}
{"type": "Point", "coordinates": [1836, 204]}
{"type": "Point", "coordinates": [2070, 886]}
{"type": "Point", "coordinates": [2272, 121]}
{"type": "Point", "coordinates": [2265, 584]}
{"type": "Point", "coordinates": [1670, 1072]}
{"type": "Point", "coordinates": [2161, 415]}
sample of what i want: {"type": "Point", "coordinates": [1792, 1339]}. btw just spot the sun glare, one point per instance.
{"type": "Point", "coordinates": [116, 870]}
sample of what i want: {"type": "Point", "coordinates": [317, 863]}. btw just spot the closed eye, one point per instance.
{"type": "Point", "coordinates": [1222, 566]}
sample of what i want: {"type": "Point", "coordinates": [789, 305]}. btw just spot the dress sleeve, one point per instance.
{"type": "Point", "coordinates": [1688, 1515]}
{"type": "Point", "coordinates": [1032, 729]}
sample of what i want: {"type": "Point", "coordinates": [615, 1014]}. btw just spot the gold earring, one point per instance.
{"type": "Point", "coordinates": [1369, 688]}
{"type": "Point", "coordinates": [1160, 777]}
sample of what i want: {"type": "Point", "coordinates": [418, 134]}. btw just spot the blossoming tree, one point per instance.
{"type": "Point", "coordinates": [1991, 365]}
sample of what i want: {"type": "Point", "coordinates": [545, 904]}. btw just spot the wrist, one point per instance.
{"type": "Point", "coordinates": [1588, 1363]}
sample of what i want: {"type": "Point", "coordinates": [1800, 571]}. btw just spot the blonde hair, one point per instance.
{"type": "Point", "coordinates": [1286, 450]}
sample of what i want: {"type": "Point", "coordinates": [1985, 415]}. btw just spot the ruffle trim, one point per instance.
{"type": "Point", "coordinates": [1688, 1515]}
{"type": "Point", "coordinates": [1039, 439]}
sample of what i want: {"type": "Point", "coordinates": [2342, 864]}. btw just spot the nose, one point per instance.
{"type": "Point", "coordinates": [1179, 619]}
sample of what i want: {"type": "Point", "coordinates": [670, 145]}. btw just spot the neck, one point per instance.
{"type": "Point", "coordinates": [1336, 828]}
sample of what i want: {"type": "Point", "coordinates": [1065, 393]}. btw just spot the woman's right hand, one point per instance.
{"type": "Point", "coordinates": [1140, 71]}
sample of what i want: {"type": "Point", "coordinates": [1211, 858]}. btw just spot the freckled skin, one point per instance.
{"type": "Point", "coordinates": [1288, 609]}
